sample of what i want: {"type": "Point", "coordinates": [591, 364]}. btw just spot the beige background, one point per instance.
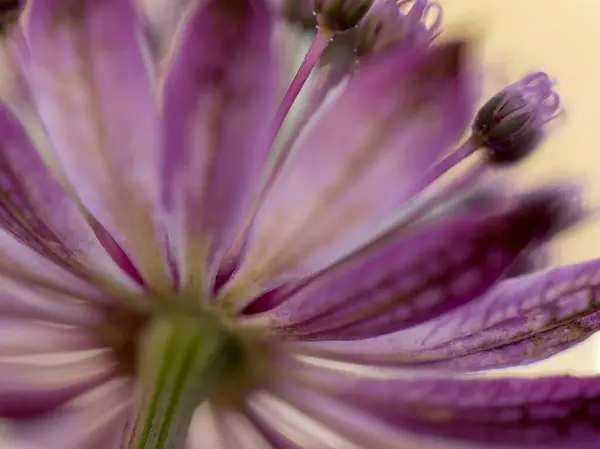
{"type": "Point", "coordinates": [519, 36]}
{"type": "Point", "coordinates": [522, 35]}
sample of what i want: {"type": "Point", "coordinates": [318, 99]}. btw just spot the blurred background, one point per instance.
{"type": "Point", "coordinates": [520, 36]}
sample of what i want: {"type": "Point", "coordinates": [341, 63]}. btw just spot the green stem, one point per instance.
{"type": "Point", "coordinates": [182, 360]}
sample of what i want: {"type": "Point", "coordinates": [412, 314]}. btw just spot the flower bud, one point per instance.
{"type": "Point", "coordinates": [340, 15]}
{"type": "Point", "coordinates": [510, 124]}
{"type": "Point", "coordinates": [389, 23]}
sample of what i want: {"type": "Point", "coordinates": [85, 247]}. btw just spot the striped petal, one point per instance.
{"type": "Point", "coordinates": [26, 301]}
{"type": "Point", "coordinates": [557, 411]}
{"type": "Point", "coordinates": [21, 262]}
{"type": "Point", "coordinates": [89, 78]}
{"type": "Point", "coordinates": [38, 212]}
{"type": "Point", "coordinates": [22, 337]}
{"type": "Point", "coordinates": [93, 422]}
{"type": "Point", "coordinates": [219, 101]}
{"type": "Point", "coordinates": [312, 420]}
{"type": "Point", "coordinates": [30, 387]}
{"type": "Point", "coordinates": [520, 321]}
{"type": "Point", "coordinates": [407, 279]}
{"type": "Point", "coordinates": [394, 117]}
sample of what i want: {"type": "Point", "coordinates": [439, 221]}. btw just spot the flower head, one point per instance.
{"type": "Point", "coordinates": [167, 279]}
{"type": "Point", "coordinates": [510, 124]}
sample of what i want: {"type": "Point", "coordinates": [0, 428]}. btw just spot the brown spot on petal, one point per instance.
{"type": "Point", "coordinates": [542, 344]}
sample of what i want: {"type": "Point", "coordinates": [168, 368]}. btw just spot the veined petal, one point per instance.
{"type": "Point", "coordinates": [520, 321]}
{"type": "Point", "coordinates": [219, 102]}
{"type": "Point", "coordinates": [24, 273]}
{"type": "Point", "coordinates": [90, 82]}
{"type": "Point", "coordinates": [37, 211]}
{"type": "Point", "coordinates": [20, 261]}
{"type": "Point", "coordinates": [415, 276]}
{"type": "Point", "coordinates": [95, 422]}
{"type": "Point", "coordinates": [557, 411]}
{"type": "Point", "coordinates": [28, 388]}
{"type": "Point", "coordinates": [395, 116]}
{"type": "Point", "coordinates": [22, 337]}
{"type": "Point", "coordinates": [313, 420]}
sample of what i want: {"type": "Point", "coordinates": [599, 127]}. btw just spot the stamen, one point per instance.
{"type": "Point", "coordinates": [447, 163]}
{"type": "Point", "coordinates": [315, 51]}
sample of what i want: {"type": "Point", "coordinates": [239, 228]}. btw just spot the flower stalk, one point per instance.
{"type": "Point", "coordinates": [318, 46]}
{"type": "Point", "coordinates": [180, 364]}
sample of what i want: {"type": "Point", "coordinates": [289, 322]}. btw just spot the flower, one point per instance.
{"type": "Point", "coordinates": [167, 280]}
{"type": "Point", "coordinates": [510, 124]}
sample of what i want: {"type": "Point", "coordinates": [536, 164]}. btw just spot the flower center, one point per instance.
{"type": "Point", "coordinates": [180, 358]}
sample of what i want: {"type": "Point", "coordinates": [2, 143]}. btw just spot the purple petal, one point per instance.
{"type": "Point", "coordinates": [15, 92]}
{"type": "Point", "coordinates": [30, 388]}
{"type": "Point", "coordinates": [13, 87]}
{"type": "Point", "coordinates": [23, 300]}
{"type": "Point", "coordinates": [407, 279]}
{"type": "Point", "coordinates": [20, 262]}
{"type": "Point", "coordinates": [38, 212]}
{"type": "Point", "coordinates": [89, 79]}
{"type": "Point", "coordinates": [394, 118]}
{"type": "Point", "coordinates": [219, 101]}
{"type": "Point", "coordinates": [22, 337]}
{"type": "Point", "coordinates": [520, 321]}
{"type": "Point", "coordinates": [560, 411]}
{"type": "Point", "coordinates": [162, 18]}
{"type": "Point", "coordinates": [312, 420]}
{"type": "Point", "coordinates": [94, 422]}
